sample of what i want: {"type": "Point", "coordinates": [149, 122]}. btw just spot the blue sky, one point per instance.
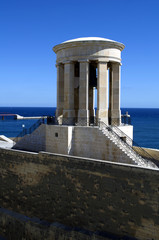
{"type": "Point", "coordinates": [30, 28]}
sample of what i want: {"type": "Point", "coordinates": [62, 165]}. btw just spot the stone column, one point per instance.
{"type": "Point", "coordinates": [83, 113]}
{"type": "Point", "coordinates": [68, 112]}
{"type": "Point", "coordinates": [91, 104]}
{"type": "Point", "coordinates": [102, 92]}
{"type": "Point", "coordinates": [114, 111]}
{"type": "Point", "coordinates": [60, 91]}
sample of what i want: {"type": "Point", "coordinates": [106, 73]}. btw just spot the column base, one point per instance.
{"type": "Point", "coordinates": [68, 117]}
{"type": "Point", "coordinates": [59, 112]}
{"type": "Point", "coordinates": [102, 115]}
{"type": "Point", "coordinates": [115, 117]}
{"type": "Point", "coordinates": [116, 121]}
{"type": "Point", "coordinates": [59, 116]}
{"type": "Point", "coordinates": [83, 117]}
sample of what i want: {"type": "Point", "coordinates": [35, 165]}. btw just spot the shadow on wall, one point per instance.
{"type": "Point", "coordinates": [88, 194]}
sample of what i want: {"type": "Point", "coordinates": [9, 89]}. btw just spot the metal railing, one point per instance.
{"type": "Point", "coordinates": [77, 121]}
{"type": "Point", "coordinates": [126, 119]}
{"type": "Point", "coordinates": [119, 134]}
{"type": "Point", "coordinates": [127, 144]}
{"type": "Point", "coordinates": [72, 121]}
{"type": "Point", "coordinates": [132, 143]}
{"type": "Point", "coordinates": [125, 141]}
{"type": "Point", "coordinates": [26, 131]}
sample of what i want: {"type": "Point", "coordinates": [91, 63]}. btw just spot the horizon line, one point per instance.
{"type": "Point", "coordinates": [55, 107]}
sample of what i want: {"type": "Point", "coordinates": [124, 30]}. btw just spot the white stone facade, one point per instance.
{"type": "Point", "coordinates": [79, 141]}
{"type": "Point", "coordinates": [82, 141]}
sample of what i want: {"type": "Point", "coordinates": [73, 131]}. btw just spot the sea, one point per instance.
{"type": "Point", "coordinates": [144, 120]}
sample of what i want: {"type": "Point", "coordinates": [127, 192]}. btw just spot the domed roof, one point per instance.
{"type": "Point", "coordinates": [89, 39]}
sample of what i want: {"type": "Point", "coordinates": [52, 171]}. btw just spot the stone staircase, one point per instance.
{"type": "Point", "coordinates": [134, 157]}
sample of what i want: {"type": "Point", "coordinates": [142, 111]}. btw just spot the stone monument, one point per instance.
{"type": "Point", "coordinates": [84, 64]}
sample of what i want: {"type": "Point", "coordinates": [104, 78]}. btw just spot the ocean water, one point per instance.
{"type": "Point", "coordinates": [146, 126]}
{"type": "Point", "coordinates": [144, 120]}
{"type": "Point", "coordinates": [11, 127]}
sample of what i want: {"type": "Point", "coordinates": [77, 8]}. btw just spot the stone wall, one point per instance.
{"type": "Point", "coordinates": [114, 200]}
{"type": "Point", "coordinates": [59, 139]}
{"type": "Point", "coordinates": [127, 129]}
{"type": "Point", "coordinates": [34, 142]}
{"type": "Point", "coordinates": [92, 143]}
{"type": "Point", "coordinates": [82, 141]}
{"type": "Point", "coordinates": [17, 226]}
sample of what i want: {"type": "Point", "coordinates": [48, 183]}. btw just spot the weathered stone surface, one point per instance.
{"type": "Point", "coordinates": [90, 194]}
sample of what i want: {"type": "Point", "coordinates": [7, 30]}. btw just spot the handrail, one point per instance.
{"type": "Point", "coordinates": [125, 119]}
{"type": "Point", "coordinates": [96, 122]}
{"type": "Point", "coordinates": [132, 152]}
{"type": "Point", "coordinates": [132, 143]}
{"type": "Point", "coordinates": [72, 121]}
{"type": "Point", "coordinates": [29, 130]}
{"type": "Point", "coordinates": [118, 134]}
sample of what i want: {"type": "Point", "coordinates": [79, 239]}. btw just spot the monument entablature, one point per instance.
{"type": "Point", "coordinates": [89, 48]}
{"type": "Point", "coordinates": [83, 65]}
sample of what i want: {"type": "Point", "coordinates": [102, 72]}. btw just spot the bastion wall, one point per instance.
{"type": "Point", "coordinates": [112, 199]}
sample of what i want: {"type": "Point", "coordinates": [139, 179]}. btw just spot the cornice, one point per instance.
{"type": "Point", "coordinates": [106, 44]}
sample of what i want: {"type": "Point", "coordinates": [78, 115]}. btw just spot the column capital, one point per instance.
{"type": "Point", "coordinates": [83, 60]}
{"type": "Point", "coordinates": [116, 63]}
{"type": "Point", "coordinates": [102, 62]}
{"type": "Point", "coordinates": [67, 62]}
{"type": "Point", "coordinates": [58, 64]}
